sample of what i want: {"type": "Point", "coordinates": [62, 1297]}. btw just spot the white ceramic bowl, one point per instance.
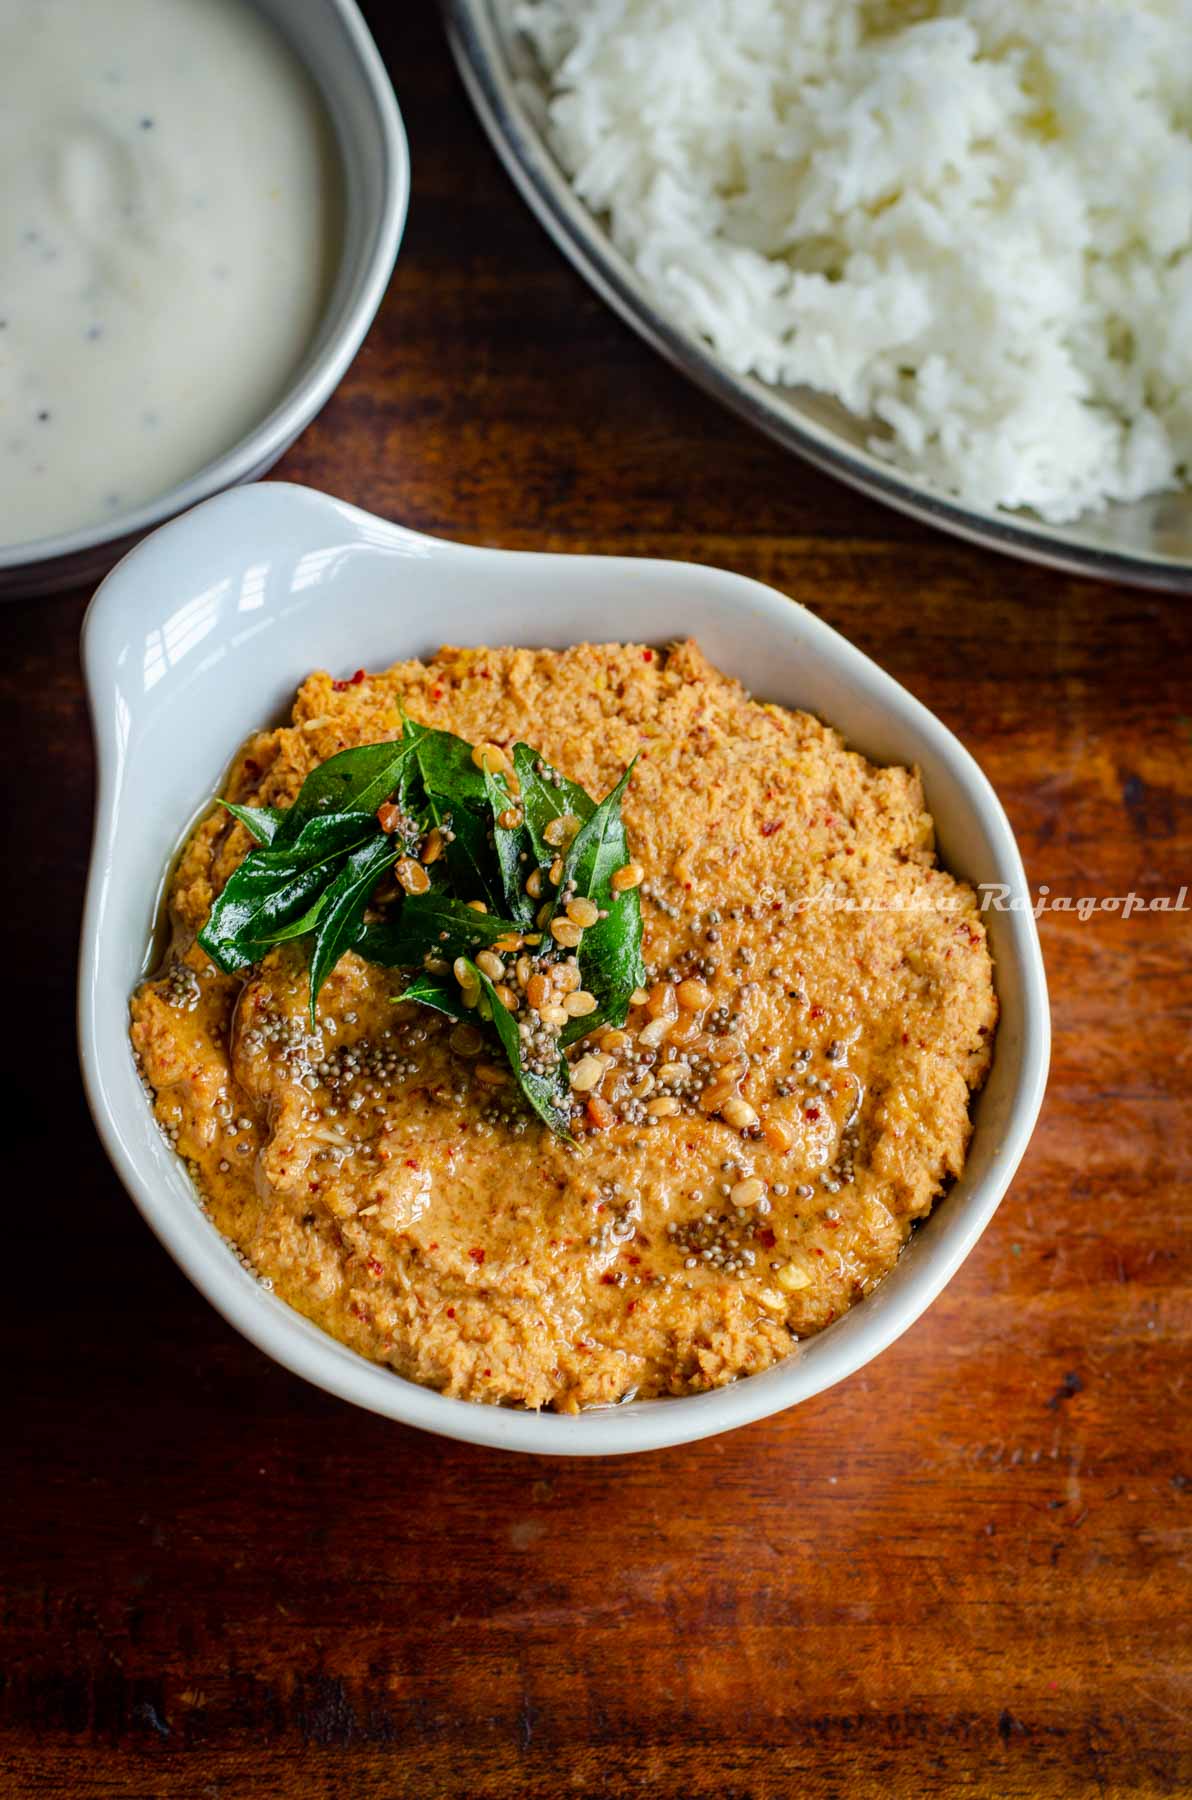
{"type": "Point", "coordinates": [201, 635]}
{"type": "Point", "coordinates": [332, 41]}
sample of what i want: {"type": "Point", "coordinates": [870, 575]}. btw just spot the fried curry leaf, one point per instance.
{"type": "Point", "coordinates": [512, 849]}
{"type": "Point", "coordinates": [355, 781]}
{"type": "Point", "coordinates": [254, 906]}
{"type": "Point", "coordinates": [341, 918]}
{"type": "Point", "coordinates": [431, 925]}
{"type": "Point", "coordinates": [275, 887]}
{"type": "Point", "coordinates": [444, 764]}
{"type": "Point", "coordinates": [610, 958]}
{"type": "Point", "coordinates": [442, 784]}
{"type": "Point", "coordinates": [610, 966]}
{"type": "Point", "coordinates": [260, 822]}
{"type": "Point", "coordinates": [278, 892]}
{"type": "Point", "coordinates": [440, 996]}
{"type": "Point", "coordinates": [302, 926]}
{"type": "Point", "coordinates": [599, 848]}
{"type": "Point", "coordinates": [546, 796]}
{"type": "Point", "coordinates": [548, 1095]}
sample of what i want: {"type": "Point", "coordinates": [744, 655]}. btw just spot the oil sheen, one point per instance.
{"type": "Point", "coordinates": [169, 223]}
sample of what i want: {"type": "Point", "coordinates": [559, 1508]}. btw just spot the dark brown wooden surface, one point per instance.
{"type": "Point", "coordinates": [966, 1570]}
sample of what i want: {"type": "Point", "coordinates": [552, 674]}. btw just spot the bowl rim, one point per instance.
{"type": "Point", "coordinates": [306, 397]}
{"type": "Point", "coordinates": [283, 1333]}
{"type": "Point", "coordinates": [493, 90]}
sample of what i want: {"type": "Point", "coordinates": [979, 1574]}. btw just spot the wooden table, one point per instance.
{"type": "Point", "coordinates": [966, 1570]}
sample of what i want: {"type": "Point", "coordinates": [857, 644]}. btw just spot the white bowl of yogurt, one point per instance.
{"type": "Point", "coordinates": [201, 202]}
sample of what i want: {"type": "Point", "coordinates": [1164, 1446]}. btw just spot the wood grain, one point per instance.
{"type": "Point", "coordinates": [966, 1570]}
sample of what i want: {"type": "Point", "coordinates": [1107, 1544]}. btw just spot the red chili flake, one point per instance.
{"type": "Point", "coordinates": [436, 693]}
{"type": "Point", "coordinates": [647, 656]}
{"type": "Point", "coordinates": [905, 1038]}
{"type": "Point", "coordinates": [766, 1238]}
{"type": "Point", "coordinates": [340, 687]}
{"type": "Point", "coordinates": [410, 1163]}
{"type": "Point", "coordinates": [486, 675]}
{"type": "Point", "coordinates": [632, 1259]}
{"type": "Point", "coordinates": [609, 1280]}
{"type": "Point", "coordinates": [817, 1012]}
{"type": "Point", "coordinates": [451, 1312]}
{"type": "Point", "coordinates": [488, 1371]}
{"type": "Point", "coordinates": [771, 828]}
{"type": "Point", "coordinates": [809, 1112]}
{"type": "Point", "coordinates": [378, 1268]}
{"type": "Point", "coordinates": [477, 1256]}
{"type": "Point", "coordinates": [631, 1307]}
{"type": "Point", "coordinates": [357, 678]}
{"type": "Point", "coordinates": [818, 1251]}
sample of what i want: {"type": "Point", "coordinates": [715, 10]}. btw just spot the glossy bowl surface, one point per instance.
{"type": "Point", "coordinates": [1148, 543]}
{"type": "Point", "coordinates": [333, 43]}
{"type": "Point", "coordinates": [202, 634]}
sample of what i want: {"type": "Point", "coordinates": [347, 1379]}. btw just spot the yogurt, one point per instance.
{"type": "Point", "coordinates": [169, 224]}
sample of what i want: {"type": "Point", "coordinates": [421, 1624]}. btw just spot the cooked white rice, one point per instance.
{"type": "Point", "coordinates": [971, 221]}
